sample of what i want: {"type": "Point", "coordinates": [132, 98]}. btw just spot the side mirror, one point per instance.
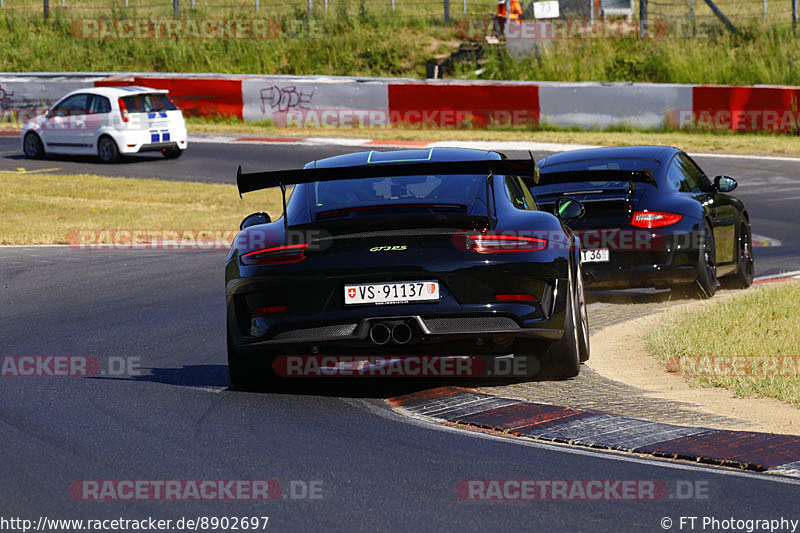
{"type": "Point", "coordinates": [724, 183]}
{"type": "Point", "coordinates": [48, 113]}
{"type": "Point", "coordinates": [569, 209]}
{"type": "Point", "coordinates": [255, 219]}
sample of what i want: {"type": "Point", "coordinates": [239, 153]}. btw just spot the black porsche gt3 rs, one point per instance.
{"type": "Point", "coordinates": [676, 229]}
{"type": "Point", "coordinates": [439, 252]}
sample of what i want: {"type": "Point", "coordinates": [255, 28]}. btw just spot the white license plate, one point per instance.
{"type": "Point", "coordinates": [391, 293]}
{"type": "Point", "coordinates": [595, 256]}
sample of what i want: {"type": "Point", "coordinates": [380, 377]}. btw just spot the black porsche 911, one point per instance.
{"type": "Point", "coordinates": [441, 252]}
{"type": "Point", "coordinates": [677, 229]}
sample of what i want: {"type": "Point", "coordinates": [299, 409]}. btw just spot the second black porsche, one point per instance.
{"type": "Point", "coordinates": [671, 226]}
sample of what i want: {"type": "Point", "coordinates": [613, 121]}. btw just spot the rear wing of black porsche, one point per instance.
{"type": "Point", "coordinates": [255, 181]}
{"type": "Point", "coordinates": [582, 176]}
{"type": "Point", "coordinates": [526, 168]}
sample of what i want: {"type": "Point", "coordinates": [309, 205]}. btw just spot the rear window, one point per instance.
{"type": "Point", "coordinates": [449, 189]}
{"type": "Point", "coordinates": [594, 164]}
{"type": "Point", "coordinates": [148, 103]}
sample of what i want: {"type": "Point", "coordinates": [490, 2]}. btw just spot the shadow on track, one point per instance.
{"type": "Point", "coordinates": [631, 296]}
{"type": "Point", "coordinates": [89, 159]}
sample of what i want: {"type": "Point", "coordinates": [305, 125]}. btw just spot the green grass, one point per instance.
{"type": "Point", "coordinates": [761, 55]}
{"type": "Point", "coordinates": [366, 39]}
{"type": "Point", "coordinates": [760, 322]}
{"type": "Point", "coordinates": [41, 208]}
{"type": "Point", "coordinates": [333, 46]}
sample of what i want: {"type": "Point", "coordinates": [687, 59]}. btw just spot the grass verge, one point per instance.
{"type": "Point", "coordinates": [691, 141]}
{"type": "Point", "coordinates": [45, 208]}
{"type": "Point", "coordinates": [360, 42]}
{"type": "Point", "coordinates": [737, 344]}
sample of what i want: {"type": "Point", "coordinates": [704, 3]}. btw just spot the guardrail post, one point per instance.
{"type": "Point", "coordinates": [176, 8]}
{"type": "Point", "coordinates": [447, 10]}
{"type": "Point", "coordinates": [46, 9]}
{"type": "Point", "coordinates": [310, 8]}
{"type": "Point", "coordinates": [794, 16]}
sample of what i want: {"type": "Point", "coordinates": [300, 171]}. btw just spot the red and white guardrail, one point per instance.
{"type": "Point", "coordinates": [380, 102]}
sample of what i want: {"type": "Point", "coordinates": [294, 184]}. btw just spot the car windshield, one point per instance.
{"type": "Point", "coordinates": [594, 164]}
{"type": "Point", "coordinates": [350, 194]}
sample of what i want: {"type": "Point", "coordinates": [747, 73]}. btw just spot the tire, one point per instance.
{"type": "Point", "coordinates": [743, 277]}
{"type": "Point", "coordinates": [32, 146]}
{"type": "Point", "coordinates": [107, 149]}
{"type": "Point", "coordinates": [583, 317]}
{"type": "Point", "coordinates": [172, 153]}
{"type": "Point", "coordinates": [705, 286]}
{"type": "Point", "coordinates": [249, 373]}
{"type": "Point", "coordinates": [562, 359]}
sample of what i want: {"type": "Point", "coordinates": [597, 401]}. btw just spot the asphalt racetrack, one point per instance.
{"type": "Point", "coordinates": [370, 469]}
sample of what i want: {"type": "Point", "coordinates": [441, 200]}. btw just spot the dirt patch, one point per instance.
{"type": "Point", "coordinates": [619, 353]}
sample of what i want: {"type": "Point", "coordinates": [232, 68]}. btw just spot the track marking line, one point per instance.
{"type": "Point", "coordinates": [480, 145]}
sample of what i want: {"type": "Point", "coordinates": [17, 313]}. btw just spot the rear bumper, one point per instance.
{"type": "Point", "coordinates": [660, 276]}
{"type": "Point", "coordinates": [437, 335]}
{"type": "Point", "coordinates": [157, 147]}
{"type": "Point", "coordinates": [137, 141]}
{"type": "Point", "coordinates": [674, 262]}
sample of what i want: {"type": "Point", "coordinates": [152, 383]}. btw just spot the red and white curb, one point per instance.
{"type": "Point", "coordinates": [775, 278]}
{"type": "Point", "coordinates": [760, 452]}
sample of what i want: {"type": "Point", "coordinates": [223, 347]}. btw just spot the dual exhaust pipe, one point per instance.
{"type": "Point", "coordinates": [382, 332]}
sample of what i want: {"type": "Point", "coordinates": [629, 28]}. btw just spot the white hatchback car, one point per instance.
{"type": "Point", "coordinates": [108, 122]}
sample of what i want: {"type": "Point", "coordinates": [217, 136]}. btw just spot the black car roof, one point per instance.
{"type": "Point", "coordinates": [399, 156]}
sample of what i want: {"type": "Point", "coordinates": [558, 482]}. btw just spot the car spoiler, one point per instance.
{"type": "Point", "coordinates": [254, 181]}
{"type": "Point", "coordinates": [578, 176]}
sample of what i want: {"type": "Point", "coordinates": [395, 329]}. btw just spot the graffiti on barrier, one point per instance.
{"type": "Point", "coordinates": [283, 99]}
{"type": "Point", "coordinates": [4, 97]}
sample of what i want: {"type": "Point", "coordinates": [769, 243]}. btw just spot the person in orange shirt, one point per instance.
{"type": "Point", "coordinates": [513, 12]}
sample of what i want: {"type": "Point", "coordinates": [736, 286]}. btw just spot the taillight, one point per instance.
{"type": "Point", "coordinates": [123, 110]}
{"type": "Point", "coordinates": [515, 297]}
{"type": "Point", "coordinates": [492, 244]}
{"type": "Point", "coordinates": [654, 219]}
{"type": "Point", "coordinates": [292, 253]}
